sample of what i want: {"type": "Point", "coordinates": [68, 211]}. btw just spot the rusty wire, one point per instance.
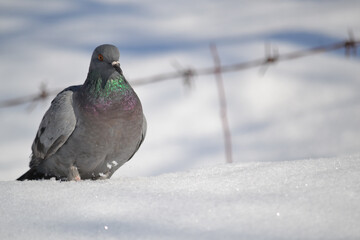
{"type": "Point", "coordinates": [222, 103]}
{"type": "Point", "coordinates": [187, 74]}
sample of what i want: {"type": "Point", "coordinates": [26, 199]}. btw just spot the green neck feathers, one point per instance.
{"type": "Point", "coordinates": [98, 88]}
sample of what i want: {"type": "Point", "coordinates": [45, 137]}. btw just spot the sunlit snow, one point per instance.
{"type": "Point", "coordinates": [304, 199]}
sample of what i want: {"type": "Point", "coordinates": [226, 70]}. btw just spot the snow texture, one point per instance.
{"type": "Point", "coordinates": [304, 199]}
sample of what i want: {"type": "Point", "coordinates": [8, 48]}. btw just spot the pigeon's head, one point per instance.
{"type": "Point", "coordinates": [105, 62]}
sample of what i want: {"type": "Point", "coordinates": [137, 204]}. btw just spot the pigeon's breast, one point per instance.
{"type": "Point", "coordinates": [114, 105]}
{"type": "Point", "coordinates": [112, 129]}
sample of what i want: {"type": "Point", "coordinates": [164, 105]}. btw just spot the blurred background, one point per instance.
{"type": "Point", "coordinates": [304, 108]}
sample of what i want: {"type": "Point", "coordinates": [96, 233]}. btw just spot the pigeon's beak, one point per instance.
{"type": "Point", "coordinates": [116, 65]}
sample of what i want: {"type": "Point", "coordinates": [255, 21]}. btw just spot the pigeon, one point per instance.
{"type": "Point", "coordinates": [90, 130]}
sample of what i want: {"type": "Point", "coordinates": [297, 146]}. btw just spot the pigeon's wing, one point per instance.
{"type": "Point", "coordinates": [56, 126]}
{"type": "Point", "coordinates": [143, 134]}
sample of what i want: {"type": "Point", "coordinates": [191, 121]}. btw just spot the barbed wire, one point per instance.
{"type": "Point", "coordinates": [187, 74]}
{"type": "Point", "coordinates": [222, 104]}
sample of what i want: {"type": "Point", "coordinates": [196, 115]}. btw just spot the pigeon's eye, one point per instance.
{"type": "Point", "coordinates": [100, 57]}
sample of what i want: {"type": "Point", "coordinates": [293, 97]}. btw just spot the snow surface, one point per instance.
{"type": "Point", "coordinates": [304, 199]}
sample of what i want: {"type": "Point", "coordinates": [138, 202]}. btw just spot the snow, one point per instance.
{"type": "Point", "coordinates": [302, 199]}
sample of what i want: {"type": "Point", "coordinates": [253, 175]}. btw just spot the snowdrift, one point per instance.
{"type": "Point", "coordinates": [305, 199]}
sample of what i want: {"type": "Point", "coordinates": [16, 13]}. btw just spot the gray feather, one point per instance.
{"type": "Point", "coordinates": [143, 134]}
{"type": "Point", "coordinates": [55, 128]}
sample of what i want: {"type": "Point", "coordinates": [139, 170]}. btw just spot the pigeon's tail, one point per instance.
{"type": "Point", "coordinates": [32, 174]}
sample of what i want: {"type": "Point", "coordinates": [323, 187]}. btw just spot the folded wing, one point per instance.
{"type": "Point", "coordinates": [56, 126]}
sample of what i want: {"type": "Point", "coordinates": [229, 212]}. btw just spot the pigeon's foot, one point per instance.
{"type": "Point", "coordinates": [73, 174]}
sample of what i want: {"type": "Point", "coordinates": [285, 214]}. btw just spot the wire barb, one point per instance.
{"type": "Point", "coordinates": [186, 73]}
{"type": "Point", "coordinates": [350, 45]}
{"type": "Point", "coordinates": [271, 57]}
{"type": "Point", "coordinates": [188, 76]}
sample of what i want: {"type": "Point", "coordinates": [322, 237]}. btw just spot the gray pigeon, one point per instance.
{"type": "Point", "coordinates": [90, 130]}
